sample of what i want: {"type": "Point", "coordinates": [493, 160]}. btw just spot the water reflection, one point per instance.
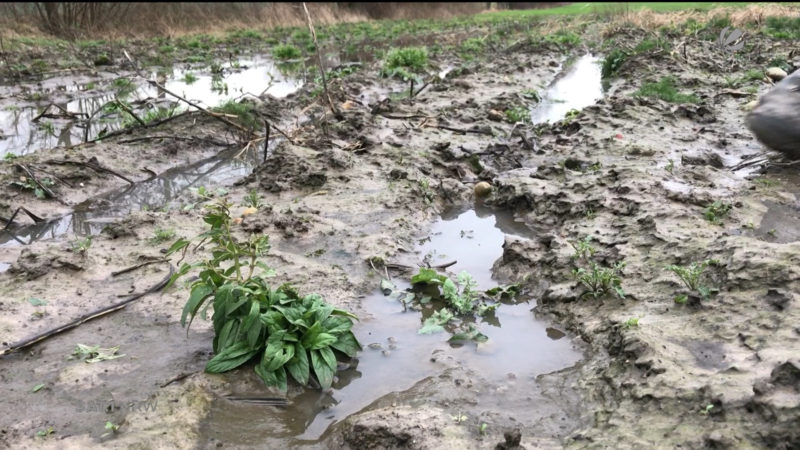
{"type": "Point", "coordinates": [577, 87]}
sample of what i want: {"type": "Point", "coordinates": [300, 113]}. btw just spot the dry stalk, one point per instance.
{"type": "Point", "coordinates": [321, 66]}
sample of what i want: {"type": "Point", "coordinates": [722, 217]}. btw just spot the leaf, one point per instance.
{"type": "Point", "coordinates": [279, 357]}
{"type": "Point", "coordinates": [323, 372]}
{"type": "Point", "coordinates": [430, 326]}
{"type": "Point", "coordinates": [323, 340]}
{"type": "Point", "coordinates": [298, 365]}
{"type": "Point", "coordinates": [199, 293]}
{"type": "Point", "coordinates": [272, 378]}
{"type": "Point", "coordinates": [329, 358]}
{"type": "Point", "coordinates": [310, 336]}
{"type": "Point", "coordinates": [428, 276]}
{"type": "Point", "coordinates": [38, 387]}
{"type": "Point", "coordinates": [347, 344]}
{"type": "Point", "coordinates": [180, 244]}
{"type": "Point", "coordinates": [252, 316]}
{"type": "Point", "coordinates": [337, 325]}
{"type": "Point", "coordinates": [230, 358]}
{"type": "Point", "coordinates": [37, 301]}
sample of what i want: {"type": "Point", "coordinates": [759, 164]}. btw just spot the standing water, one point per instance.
{"type": "Point", "coordinates": [396, 357]}
{"type": "Point", "coordinates": [577, 87]}
{"type": "Point", "coordinates": [66, 125]}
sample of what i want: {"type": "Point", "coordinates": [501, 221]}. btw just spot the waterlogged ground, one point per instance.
{"type": "Point", "coordinates": [391, 182]}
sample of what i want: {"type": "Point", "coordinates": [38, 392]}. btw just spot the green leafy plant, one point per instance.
{"type": "Point", "coordinates": [631, 323]}
{"type": "Point", "coordinates": [29, 185]}
{"type": "Point", "coordinates": [601, 280]}
{"type": "Point", "coordinates": [245, 112]}
{"type": "Point", "coordinates": [162, 235]}
{"type": "Point", "coordinates": [613, 62]}
{"type": "Point", "coordinates": [253, 200]}
{"type": "Point", "coordinates": [670, 166]}
{"type": "Point", "coordinates": [691, 276]}
{"type": "Point", "coordinates": [190, 78]}
{"type": "Point", "coordinates": [112, 429]}
{"type": "Point", "coordinates": [46, 432]}
{"type": "Point", "coordinates": [81, 245]}
{"type": "Point", "coordinates": [716, 211]}
{"type": "Point", "coordinates": [279, 329]}
{"type": "Point", "coordinates": [405, 63]}
{"type": "Point", "coordinates": [286, 51]}
{"type": "Point", "coordinates": [583, 248]}
{"type": "Point", "coordinates": [93, 354]}
{"type": "Point", "coordinates": [665, 90]}
{"type": "Point", "coordinates": [518, 114]}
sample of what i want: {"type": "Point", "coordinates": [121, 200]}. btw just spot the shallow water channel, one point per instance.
{"type": "Point", "coordinates": [396, 357]}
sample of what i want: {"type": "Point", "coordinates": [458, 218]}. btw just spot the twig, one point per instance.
{"type": "Point", "coordinates": [178, 378]}
{"type": "Point", "coordinates": [87, 317]}
{"type": "Point", "coordinates": [38, 183]}
{"type": "Point", "coordinates": [404, 116]}
{"type": "Point", "coordinates": [177, 138]}
{"type": "Point", "coordinates": [93, 166]}
{"type": "Point", "coordinates": [266, 139]}
{"type": "Point", "coordinates": [129, 111]}
{"type": "Point", "coordinates": [334, 110]}
{"type": "Point", "coordinates": [132, 268]}
{"type": "Point", "coordinates": [463, 131]}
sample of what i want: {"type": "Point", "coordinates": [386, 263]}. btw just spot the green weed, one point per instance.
{"type": "Point", "coordinates": [613, 62]}
{"type": "Point", "coordinates": [782, 27]}
{"type": "Point", "coordinates": [30, 185]}
{"type": "Point", "coordinates": [665, 90]}
{"type": "Point", "coordinates": [162, 235]}
{"type": "Point", "coordinates": [286, 51]}
{"type": "Point", "coordinates": [600, 280]}
{"type": "Point", "coordinates": [691, 276]}
{"type": "Point", "coordinates": [282, 331]}
{"type": "Point", "coordinates": [564, 38]}
{"type": "Point", "coordinates": [583, 248]}
{"type": "Point", "coordinates": [190, 78]}
{"type": "Point", "coordinates": [253, 200]}
{"type": "Point", "coordinates": [716, 211]}
{"type": "Point", "coordinates": [244, 111]}
{"type": "Point", "coordinates": [405, 63]}
{"type": "Point", "coordinates": [80, 246]}
{"type": "Point", "coordinates": [518, 114]}
{"type": "Point", "coordinates": [633, 322]}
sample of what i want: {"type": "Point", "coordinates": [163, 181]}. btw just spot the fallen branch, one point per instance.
{"type": "Point", "coordinates": [87, 317]}
{"type": "Point", "coordinates": [91, 165]}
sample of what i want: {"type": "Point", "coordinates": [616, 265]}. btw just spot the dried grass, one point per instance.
{"type": "Point", "coordinates": [752, 14]}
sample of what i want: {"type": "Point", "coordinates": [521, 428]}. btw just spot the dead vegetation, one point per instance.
{"type": "Point", "coordinates": [115, 20]}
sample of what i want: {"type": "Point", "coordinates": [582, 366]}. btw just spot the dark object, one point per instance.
{"type": "Point", "coordinates": [775, 121]}
{"type": "Point", "coordinates": [513, 438]}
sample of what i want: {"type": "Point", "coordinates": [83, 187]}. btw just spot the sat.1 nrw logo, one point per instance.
{"type": "Point", "coordinates": [731, 40]}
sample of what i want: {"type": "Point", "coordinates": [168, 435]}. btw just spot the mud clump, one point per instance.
{"type": "Point", "coordinates": [294, 167]}
{"type": "Point", "coordinates": [33, 265]}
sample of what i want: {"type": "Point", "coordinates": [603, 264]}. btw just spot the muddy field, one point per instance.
{"type": "Point", "coordinates": [385, 188]}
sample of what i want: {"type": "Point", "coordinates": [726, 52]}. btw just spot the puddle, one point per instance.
{"type": "Point", "coordinates": [20, 135]}
{"type": "Point", "coordinates": [92, 215]}
{"type": "Point", "coordinates": [396, 358]}
{"type": "Point", "coordinates": [577, 87]}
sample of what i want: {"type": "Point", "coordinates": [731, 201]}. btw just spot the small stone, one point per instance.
{"type": "Point", "coordinates": [482, 189]}
{"type": "Point", "coordinates": [496, 115]}
{"type": "Point", "coordinates": [776, 73]}
{"type": "Point", "coordinates": [750, 105]}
